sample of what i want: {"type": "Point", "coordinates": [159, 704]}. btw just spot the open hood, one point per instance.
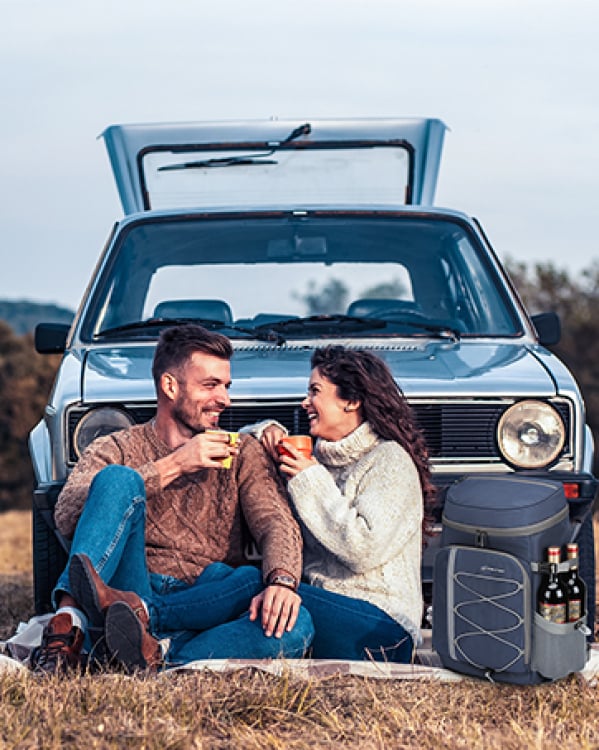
{"type": "Point", "coordinates": [290, 163]}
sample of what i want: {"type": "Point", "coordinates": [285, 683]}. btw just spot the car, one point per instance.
{"type": "Point", "coordinates": [286, 236]}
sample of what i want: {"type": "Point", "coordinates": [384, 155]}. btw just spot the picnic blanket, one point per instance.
{"type": "Point", "coordinates": [427, 665]}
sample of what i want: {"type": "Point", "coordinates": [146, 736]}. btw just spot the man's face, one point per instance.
{"type": "Point", "coordinates": [202, 393]}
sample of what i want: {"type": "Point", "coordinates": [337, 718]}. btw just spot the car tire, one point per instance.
{"type": "Point", "coordinates": [586, 568]}
{"type": "Point", "coordinates": [49, 560]}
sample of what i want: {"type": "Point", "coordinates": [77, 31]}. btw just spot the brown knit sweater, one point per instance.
{"type": "Point", "coordinates": [197, 519]}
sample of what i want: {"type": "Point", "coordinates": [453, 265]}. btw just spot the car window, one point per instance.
{"type": "Point", "coordinates": [294, 177]}
{"type": "Point", "coordinates": [249, 272]}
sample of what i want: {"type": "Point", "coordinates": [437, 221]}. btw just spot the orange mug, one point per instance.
{"type": "Point", "coordinates": [301, 443]}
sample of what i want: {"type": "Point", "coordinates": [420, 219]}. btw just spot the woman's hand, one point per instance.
{"type": "Point", "coordinates": [292, 461]}
{"type": "Point", "coordinates": [271, 437]}
{"type": "Point", "coordinates": [280, 608]}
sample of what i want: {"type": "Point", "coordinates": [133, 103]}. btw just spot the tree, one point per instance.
{"type": "Point", "coordinates": [390, 289]}
{"type": "Point", "coordinates": [25, 381]}
{"type": "Point", "coordinates": [332, 297]}
{"type": "Point", "coordinates": [328, 299]}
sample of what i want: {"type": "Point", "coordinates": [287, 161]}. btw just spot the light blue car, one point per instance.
{"type": "Point", "coordinates": [288, 235]}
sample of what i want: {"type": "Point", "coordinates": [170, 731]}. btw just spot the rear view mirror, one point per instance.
{"type": "Point", "coordinates": [549, 328]}
{"type": "Point", "coordinates": [51, 338]}
{"type": "Point", "coordinates": [297, 247]}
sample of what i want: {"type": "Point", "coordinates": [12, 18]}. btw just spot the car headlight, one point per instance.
{"type": "Point", "coordinates": [531, 434]}
{"type": "Point", "coordinates": [99, 422]}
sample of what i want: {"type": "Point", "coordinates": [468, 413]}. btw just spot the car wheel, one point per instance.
{"type": "Point", "coordinates": [49, 560]}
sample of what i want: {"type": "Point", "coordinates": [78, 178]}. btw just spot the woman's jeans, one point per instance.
{"type": "Point", "coordinates": [203, 620]}
{"type": "Point", "coordinates": [347, 628]}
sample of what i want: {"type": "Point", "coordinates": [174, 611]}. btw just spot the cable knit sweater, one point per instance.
{"type": "Point", "coordinates": [361, 513]}
{"type": "Point", "coordinates": [197, 519]}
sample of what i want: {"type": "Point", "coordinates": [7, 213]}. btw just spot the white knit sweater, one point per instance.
{"type": "Point", "coordinates": [360, 510]}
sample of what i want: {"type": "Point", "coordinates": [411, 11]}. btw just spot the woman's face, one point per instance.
{"type": "Point", "coordinates": [331, 417]}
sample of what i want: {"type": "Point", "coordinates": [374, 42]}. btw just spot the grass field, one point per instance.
{"type": "Point", "coordinates": [250, 709]}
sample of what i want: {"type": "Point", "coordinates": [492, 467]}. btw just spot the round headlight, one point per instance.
{"type": "Point", "coordinates": [531, 434]}
{"type": "Point", "coordinates": [99, 422]}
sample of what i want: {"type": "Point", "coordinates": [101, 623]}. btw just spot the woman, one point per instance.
{"type": "Point", "coordinates": [360, 501]}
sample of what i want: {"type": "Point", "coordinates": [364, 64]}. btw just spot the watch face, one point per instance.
{"type": "Point", "coordinates": [284, 580]}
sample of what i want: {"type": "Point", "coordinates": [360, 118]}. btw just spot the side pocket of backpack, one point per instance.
{"type": "Point", "coordinates": [558, 650]}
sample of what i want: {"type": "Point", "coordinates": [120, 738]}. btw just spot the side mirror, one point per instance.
{"type": "Point", "coordinates": [51, 338]}
{"type": "Point", "coordinates": [549, 328]}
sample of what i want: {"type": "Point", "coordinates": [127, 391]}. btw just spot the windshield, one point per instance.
{"type": "Point", "coordinates": [378, 275]}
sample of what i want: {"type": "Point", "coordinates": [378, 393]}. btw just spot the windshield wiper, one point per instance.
{"type": "Point", "coordinates": [327, 324]}
{"type": "Point", "coordinates": [347, 323]}
{"type": "Point", "coordinates": [440, 329]}
{"type": "Point", "coordinates": [211, 324]}
{"type": "Point", "coordinates": [242, 160]}
{"type": "Point", "coordinates": [225, 161]}
{"type": "Point", "coordinates": [160, 323]}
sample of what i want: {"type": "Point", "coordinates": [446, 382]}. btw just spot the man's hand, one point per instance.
{"type": "Point", "coordinates": [280, 608]}
{"type": "Point", "coordinates": [206, 450]}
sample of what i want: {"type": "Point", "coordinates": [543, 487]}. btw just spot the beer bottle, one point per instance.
{"type": "Point", "coordinates": [575, 587]}
{"type": "Point", "coordinates": [551, 597]}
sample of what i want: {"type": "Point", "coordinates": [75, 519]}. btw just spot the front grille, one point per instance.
{"type": "Point", "coordinates": [291, 415]}
{"type": "Point", "coordinates": [453, 431]}
{"type": "Point", "coordinates": [459, 430]}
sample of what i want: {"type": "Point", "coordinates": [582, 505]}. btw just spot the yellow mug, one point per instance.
{"type": "Point", "coordinates": [233, 440]}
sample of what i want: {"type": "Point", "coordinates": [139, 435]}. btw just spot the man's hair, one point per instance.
{"type": "Point", "coordinates": [177, 344]}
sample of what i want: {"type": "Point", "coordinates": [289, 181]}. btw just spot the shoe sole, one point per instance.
{"type": "Point", "coordinates": [84, 592]}
{"type": "Point", "coordinates": [124, 635]}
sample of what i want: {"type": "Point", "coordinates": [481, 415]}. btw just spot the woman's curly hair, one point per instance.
{"type": "Point", "coordinates": [361, 376]}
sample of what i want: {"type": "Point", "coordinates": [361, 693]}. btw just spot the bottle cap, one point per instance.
{"type": "Point", "coordinates": [554, 554]}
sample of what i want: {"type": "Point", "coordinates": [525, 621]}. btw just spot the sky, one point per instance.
{"type": "Point", "coordinates": [516, 82]}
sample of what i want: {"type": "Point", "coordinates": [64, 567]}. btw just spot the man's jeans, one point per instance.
{"type": "Point", "coordinates": [207, 619]}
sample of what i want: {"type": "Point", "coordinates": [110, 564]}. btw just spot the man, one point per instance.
{"type": "Point", "coordinates": [156, 527]}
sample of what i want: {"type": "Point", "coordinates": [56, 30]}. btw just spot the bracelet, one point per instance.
{"type": "Point", "coordinates": [286, 581]}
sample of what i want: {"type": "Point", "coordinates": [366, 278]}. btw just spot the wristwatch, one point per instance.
{"type": "Point", "coordinates": [281, 579]}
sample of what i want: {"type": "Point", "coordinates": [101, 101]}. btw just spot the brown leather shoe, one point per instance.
{"type": "Point", "coordinates": [94, 596]}
{"type": "Point", "coordinates": [128, 639]}
{"type": "Point", "coordinates": [130, 642]}
{"type": "Point", "coordinates": [60, 649]}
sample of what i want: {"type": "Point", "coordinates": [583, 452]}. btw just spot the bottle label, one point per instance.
{"type": "Point", "coordinates": [574, 610]}
{"type": "Point", "coordinates": [553, 612]}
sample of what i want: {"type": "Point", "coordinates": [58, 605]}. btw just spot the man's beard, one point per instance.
{"type": "Point", "coordinates": [188, 419]}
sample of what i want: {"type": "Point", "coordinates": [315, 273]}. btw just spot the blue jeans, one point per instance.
{"type": "Point", "coordinates": [204, 619]}
{"type": "Point", "coordinates": [217, 604]}
{"type": "Point", "coordinates": [347, 628]}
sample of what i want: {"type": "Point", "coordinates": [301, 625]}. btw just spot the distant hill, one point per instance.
{"type": "Point", "coordinates": [22, 316]}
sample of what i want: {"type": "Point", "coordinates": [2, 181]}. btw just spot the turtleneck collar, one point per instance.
{"type": "Point", "coordinates": [348, 449]}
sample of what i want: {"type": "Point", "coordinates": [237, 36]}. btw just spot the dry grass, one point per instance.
{"type": "Point", "coordinates": [15, 543]}
{"type": "Point", "coordinates": [250, 709]}
{"type": "Point", "coordinates": [16, 589]}
{"type": "Point", "coordinates": [254, 710]}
